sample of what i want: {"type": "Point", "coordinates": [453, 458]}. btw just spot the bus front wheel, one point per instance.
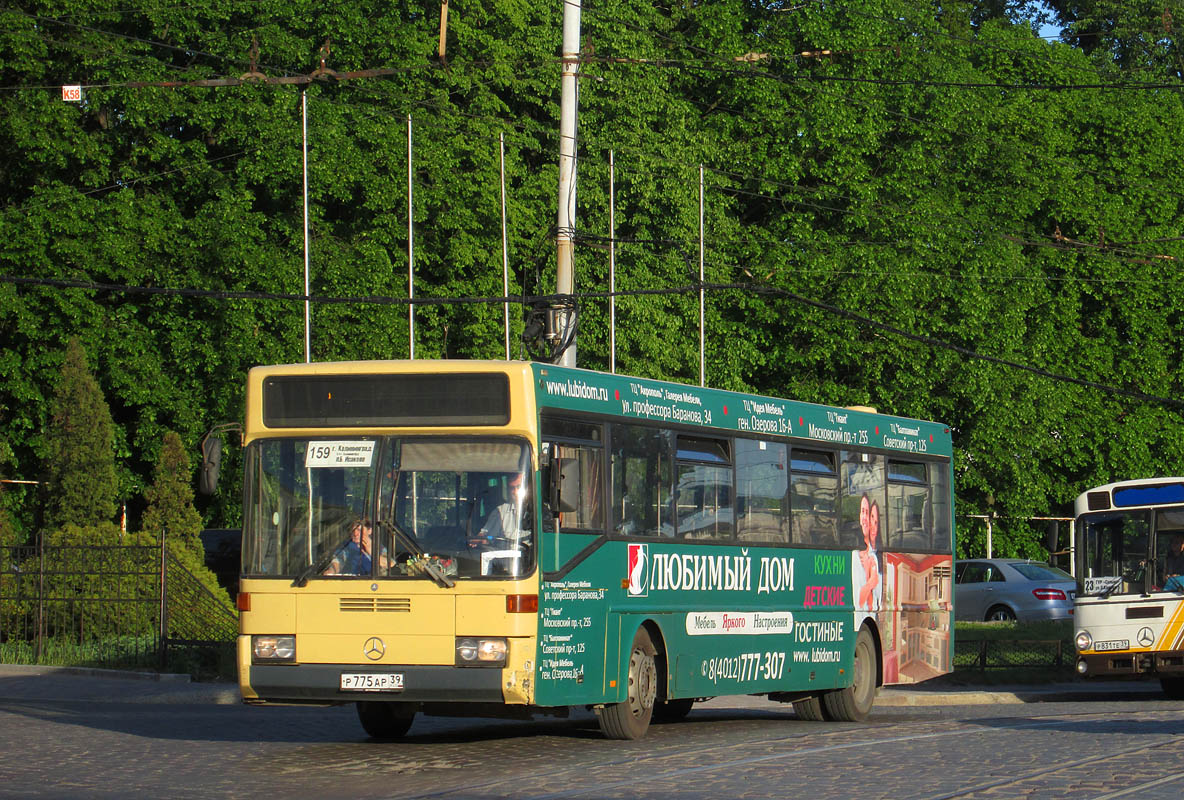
{"type": "Point", "coordinates": [854, 703]}
{"type": "Point", "coordinates": [630, 718]}
{"type": "Point", "coordinates": [385, 720]}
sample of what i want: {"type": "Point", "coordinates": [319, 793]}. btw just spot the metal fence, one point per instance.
{"type": "Point", "coordinates": [113, 606]}
{"type": "Point", "coordinates": [985, 654]}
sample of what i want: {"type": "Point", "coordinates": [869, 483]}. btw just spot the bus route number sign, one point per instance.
{"type": "Point", "coordinates": [347, 454]}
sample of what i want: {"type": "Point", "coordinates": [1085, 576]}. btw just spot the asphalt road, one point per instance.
{"type": "Point", "coordinates": [83, 735]}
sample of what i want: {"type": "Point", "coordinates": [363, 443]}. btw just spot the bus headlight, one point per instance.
{"type": "Point", "coordinates": [472, 651]}
{"type": "Point", "coordinates": [271, 648]}
{"type": "Point", "coordinates": [1084, 640]}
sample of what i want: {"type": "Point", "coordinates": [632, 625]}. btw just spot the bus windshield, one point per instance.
{"type": "Point", "coordinates": [400, 508]}
{"type": "Point", "coordinates": [1115, 553]}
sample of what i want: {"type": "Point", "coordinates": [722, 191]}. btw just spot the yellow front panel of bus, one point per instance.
{"type": "Point", "coordinates": [407, 649]}
{"type": "Point", "coordinates": [332, 621]}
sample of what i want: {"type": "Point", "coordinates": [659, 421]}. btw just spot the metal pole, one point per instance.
{"type": "Point", "coordinates": [410, 251]}
{"type": "Point", "coordinates": [307, 309]}
{"type": "Point", "coordinates": [39, 649]}
{"type": "Point", "coordinates": [702, 356]}
{"type": "Point", "coordinates": [1072, 548]}
{"type": "Point", "coordinates": [501, 138]}
{"type": "Point", "coordinates": [612, 262]}
{"type": "Point", "coordinates": [565, 277]}
{"type": "Point", "coordinates": [164, 606]}
{"type": "Point", "coordinates": [989, 550]}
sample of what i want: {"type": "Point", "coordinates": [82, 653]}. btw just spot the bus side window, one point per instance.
{"type": "Point", "coordinates": [573, 475]}
{"type": "Point", "coordinates": [704, 492]}
{"type": "Point", "coordinates": [762, 491]}
{"type": "Point", "coordinates": [909, 522]}
{"type": "Point", "coordinates": [576, 472]}
{"type": "Point", "coordinates": [814, 489]}
{"type": "Point", "coordinates": [642, 481]}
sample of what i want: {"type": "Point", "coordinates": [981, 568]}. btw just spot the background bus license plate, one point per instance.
{"type": "Point", "coordinates": [371, 681]}
{"type": "Point", "coordinates": [1120, 644]}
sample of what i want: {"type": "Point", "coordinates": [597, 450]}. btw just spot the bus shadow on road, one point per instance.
{"type": "Point", "coordinates": [334, 725]}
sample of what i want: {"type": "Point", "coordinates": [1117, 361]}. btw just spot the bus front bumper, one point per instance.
{"type": "Point", "coordinates": [321, 683]}
{"type": "Point", "coordinates": [1101, 665]}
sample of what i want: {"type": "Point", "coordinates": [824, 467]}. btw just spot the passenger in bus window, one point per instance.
{"type": "Point", "coordinates": [354, 557]}
{"type": "Point", "coordinates": [1173, 562]}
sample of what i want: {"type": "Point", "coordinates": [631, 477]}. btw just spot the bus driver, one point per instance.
{"type": "Point", "coordinates": [1173, 562]}
{"type": "Point", "coordinates": [504, 521]}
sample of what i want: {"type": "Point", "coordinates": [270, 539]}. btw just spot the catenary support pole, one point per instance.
{"type": "Point", "coordinates": [568, 110]}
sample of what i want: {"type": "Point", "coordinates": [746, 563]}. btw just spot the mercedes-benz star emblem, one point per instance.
{"type": "Point", "coordinates": [374, 648]}
{"type": "Point", "coordinates": [1146, 637]}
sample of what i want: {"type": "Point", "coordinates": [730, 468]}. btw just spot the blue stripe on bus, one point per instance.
{"type": "Point", "coordinates": [1149, 495]}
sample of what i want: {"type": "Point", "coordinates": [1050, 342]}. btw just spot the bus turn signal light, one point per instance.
{"type": "Point", "coordinates": [242, 601]}
{"type": "Point", "coordinates": [522, 603]}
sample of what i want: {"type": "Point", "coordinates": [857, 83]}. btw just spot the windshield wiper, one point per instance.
{"type": "Point", "coordinates": [433, 571]}
{"type": "Point", "coordinates": [430, 568]}
{"type": "Point", "coordinates": [314, 568]}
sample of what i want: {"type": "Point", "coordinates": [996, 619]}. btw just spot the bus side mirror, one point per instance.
{"type": "Point", "coordinates": [211, 463]}
{"type": "Point", "coordinates": [569, 485]}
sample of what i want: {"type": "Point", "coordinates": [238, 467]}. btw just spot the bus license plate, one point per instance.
{"type": "Point", "coordinates": [371, 681]}
{"type": "Point", "coordinates": [1118, 644]}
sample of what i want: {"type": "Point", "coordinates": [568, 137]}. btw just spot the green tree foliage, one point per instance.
{"type": "Point", "coordinates": [1130, 34]}
{"type": "Point", "coordinates": [80, 482]}
{"type": "Point", "coordinates": [933, 174]}
{"type": "Point", "coordinates": [170, 498]}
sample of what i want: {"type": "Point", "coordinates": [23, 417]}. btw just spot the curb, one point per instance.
{"type": "Point", "coordinates": [23, 682]}
{"type": "Point", "coordinates": [20, 670]}
{"type": "Point", "coordinates": [1140, 692]}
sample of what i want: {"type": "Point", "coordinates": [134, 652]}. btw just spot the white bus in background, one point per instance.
{"type": "Point", "coordinates": [1130, 571]}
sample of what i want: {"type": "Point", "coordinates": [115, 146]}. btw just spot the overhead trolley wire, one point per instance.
{"type": "Point", "coordinates": [859, 319]}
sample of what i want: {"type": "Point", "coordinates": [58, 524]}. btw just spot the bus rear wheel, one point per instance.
{"type": "Point", "coordinates": [854, 703]}
{"type": "Point", "coordinates": [809, 709]}
{"type": "Point", "coordinates": [385, 720]}
{"type": "Point", "coordinates": [630, 718]}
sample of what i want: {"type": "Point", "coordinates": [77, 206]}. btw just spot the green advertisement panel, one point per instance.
{"type": "Point", "coordinates": [676, 404]}
{"type": "Point", "coordinates": [732, 620]}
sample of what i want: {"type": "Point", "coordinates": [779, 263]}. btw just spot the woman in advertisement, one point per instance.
{"type": "Point", "coordinates": [867, 562]}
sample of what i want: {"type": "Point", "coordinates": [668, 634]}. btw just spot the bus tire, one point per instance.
{"type": "Point", "coordinates": [385, 721]}
{"type": "Point", "coordinates": [630, 718]}
{"type": "Point", "coordinates": [673, 710]}
{"type": "Point", "coordinates": [1173, 687]}
{"type": "Point", "coordinates": [809, 709]}
{"type": "Point", "coordinates": [854, 703]}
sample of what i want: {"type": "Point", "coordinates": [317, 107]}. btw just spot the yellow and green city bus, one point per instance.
{"type": "Point", "coordinates": [512, 538]}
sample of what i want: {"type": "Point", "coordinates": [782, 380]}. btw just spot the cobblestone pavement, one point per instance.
{"type": "Point", "coordinates": [89, 735]}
